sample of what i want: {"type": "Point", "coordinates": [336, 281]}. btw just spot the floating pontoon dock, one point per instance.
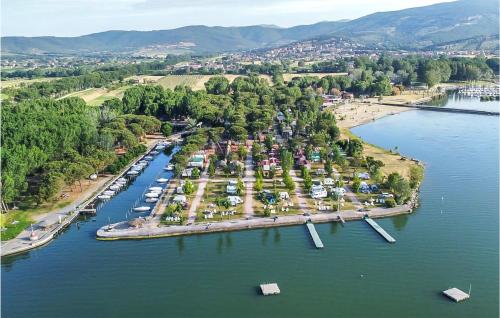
{"type": "Point", "coordinates": [314, 235]}
{"type": "Point", "coordinates": [270, 289]}
{"type": "Point", "coordinates": [456, 294]}
{"type": "Point", "coordinates": [380, 230]}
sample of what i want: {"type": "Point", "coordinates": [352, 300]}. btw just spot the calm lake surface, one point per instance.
{"type": "Point", "coordinates": [450, 241]}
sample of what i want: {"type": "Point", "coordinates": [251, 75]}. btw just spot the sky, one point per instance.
{"type": "Point", "coordinates": [79, 17]}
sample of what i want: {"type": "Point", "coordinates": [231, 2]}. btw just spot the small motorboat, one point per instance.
{"type": "Point", "coordinates": [149, 158]}
{"type": "Point", "coordinates": [156, 189]}
{"type": "Point", "coordinates": [152, 195]}
{"type": "Point", "coordinates": [104, 197]}
{"type": "Point", "coordinates": [137, 167]}
{"type": "Point", "coordinates": [169, 167]}
{"type": "Point", "coordinates": [115, 187]}
{"type": "Point", "coordinates": [142, 208]}
{"type": "Point", "coordinates": [151, 200]}
{"type": "Point", "coordinates": [122, 180]}
{"type": "Point", "coordinates": [162, 180]}
{"type": "Point", "coordinates": [133, 173]}
{"type": "Point", "coordinates": [109, 192]}
{"type": "Point", "coordinates": [154, 152]}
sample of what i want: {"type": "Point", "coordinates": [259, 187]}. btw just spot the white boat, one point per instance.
{"type": "Point", "coordinates": [169, 167]}
{"type": "Point", "coordinates": [149, 158]}
{"type": "Point", "coordinates": [160, 147]}
{"type": "Point", "coordinates": [133, 173]}
{"type": "Point", "coordinates": [104, 197]}
{"type": "Point", "coordinates": [115, 187]}
{"type": "Point", "coordinates": [109, 192]}
{"type": "Point", "coordinates": [143, 163]}
{"type": "Point", "coordinates": [121, 180]}
{"type": "Point", "coordinates": [142, 208]}
{"type": "Point", "coordinates": [154, 152]}
{"type": "Point", "coordinates": [137, 167]}
{"type": "Point", "coordinates": [152, 195]}
{"type": "Point", "coordinates": [162, 180]}
{"type": "Point", "coordinates": [156, 189]}
{"type": "Point", "coordinates": [151, 200]}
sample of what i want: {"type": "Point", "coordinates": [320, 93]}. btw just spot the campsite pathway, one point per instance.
{"type": "Point", "coordinates": [249, 177]}
{"type": "Point", "coordinates": [197, 199]}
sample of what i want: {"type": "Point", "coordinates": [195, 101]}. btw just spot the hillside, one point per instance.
{"type": "Point", "coordinates": [429, 26]}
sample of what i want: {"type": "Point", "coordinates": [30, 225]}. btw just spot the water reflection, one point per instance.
{"type": "Point", "coordinates": [220, 244]}
{"type": "Point", "coordinates": [229, 240]}
{"type": "Point", "coordinates": [265, 236]}
{"type": "Point", "coordinates": [180, 245]}
{"type": "Point", "coordinates": [400, 221]}
{"type": "Point", "coordinates": [334, 227]}
{"type": "Point", "coordinates": [277, 235]}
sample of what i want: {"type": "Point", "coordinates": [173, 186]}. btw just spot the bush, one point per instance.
{"type": "Point", "coordinates": [390, 203]}
{"type": "Point", "coordinates": [188, 187]}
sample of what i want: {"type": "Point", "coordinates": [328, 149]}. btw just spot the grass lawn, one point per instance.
{"type": "Point", "coordinates": [288, 76]}
{"type": "Point", "coordinates": [215, 190]}
{"type": "Point", "coordinates": [196, 82]}
{"type": "Point", "coordinates": [393, 162]}
{"type": "Point", "coordinates": [10, 230]}
{"type": "Point", "coordinates": [280, 187]}
{"type": "Point", "coordinates": [96, 96]}
{"type": "Point", "coordinates": [26, 216]}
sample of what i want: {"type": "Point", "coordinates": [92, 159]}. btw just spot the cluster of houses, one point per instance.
{"type": "Point", "coordinates": [330, 99]}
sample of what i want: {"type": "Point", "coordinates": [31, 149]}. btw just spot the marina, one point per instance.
{"type": "Point", "coordinates": [289, 260]}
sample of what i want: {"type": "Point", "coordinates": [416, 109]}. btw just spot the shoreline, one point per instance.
{"type": "Point", "coordinates": [151, 232]}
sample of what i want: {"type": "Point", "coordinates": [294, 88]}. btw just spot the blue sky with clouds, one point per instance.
{"type": "Point", "coordinates": [78, 17]}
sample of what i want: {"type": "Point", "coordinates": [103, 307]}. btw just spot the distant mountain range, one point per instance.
{"type": "Point", "coordinates": [465, 24]}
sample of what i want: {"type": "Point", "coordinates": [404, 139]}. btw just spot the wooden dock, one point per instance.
{"type": "Point", "coordinates": [456, 294]}
{"type": "Point", "coordinates": [314, 235]}
{"type": "Point", "coordinates": [270, 289]}
{"type": "Point", "coordinates": [380, 230]}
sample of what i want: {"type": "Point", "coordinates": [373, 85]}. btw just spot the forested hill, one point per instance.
{"type": "Point", "coordinates": [422, 27]}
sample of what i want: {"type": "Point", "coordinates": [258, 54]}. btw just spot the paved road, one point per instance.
{"type": "Point", "coordinates": [249, 177]}
{"type": "Point", "coordinates": [122, 231]}
{"type": "Point", "coordinates": [199, 195]}
{"type": "Point", "coordinates": [299, 191]}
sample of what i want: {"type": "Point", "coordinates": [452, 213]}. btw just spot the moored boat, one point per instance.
{"type": "Point", "coordinates": [142, 208]}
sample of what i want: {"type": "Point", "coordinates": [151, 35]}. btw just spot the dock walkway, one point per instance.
{"type": "Point", "coordinates": [314, 235]}
{"type": "Point", "coordinates": [380, 230]}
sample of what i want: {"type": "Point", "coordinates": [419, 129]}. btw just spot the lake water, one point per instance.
{"type": "Point", "coordinates": [450, 241]}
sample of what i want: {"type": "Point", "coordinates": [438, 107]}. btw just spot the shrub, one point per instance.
{"type": "Point", "coordinates": [390, 203]}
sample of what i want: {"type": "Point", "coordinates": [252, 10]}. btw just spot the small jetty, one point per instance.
{"type": "Point", "coordinates": [269, 289]}
{"type": "Point", "coordinates": [341, 219]}
{"type": "Point", "coordinates": [380, 230]}
{"type": "Point", "coordinates": [314, 235]}
{"type": "Point", "coordinates": [456, 294]}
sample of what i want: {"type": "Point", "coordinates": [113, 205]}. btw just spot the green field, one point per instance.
{"type": "Point", "coordinates": [96, 96]}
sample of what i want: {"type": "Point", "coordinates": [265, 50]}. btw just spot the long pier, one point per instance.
{"type": "Point", "coordinates": [380, 230]}
{"type": "Point", "coordinates": [314, 235]}
{"type": "Point", "coordinates": [446, 109]}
